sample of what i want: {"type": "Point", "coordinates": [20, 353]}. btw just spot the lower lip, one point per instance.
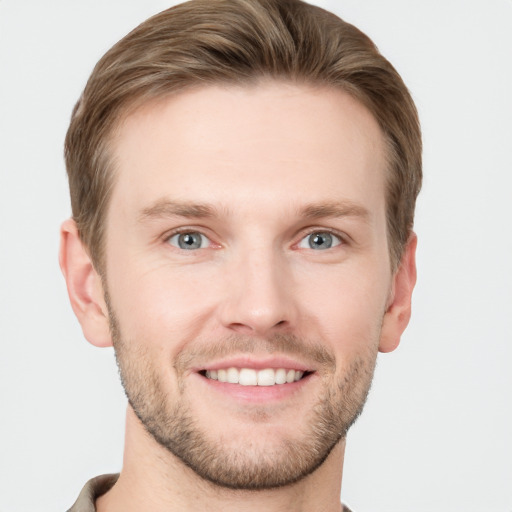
{"type": "Point", "coordinates": [257, 394]}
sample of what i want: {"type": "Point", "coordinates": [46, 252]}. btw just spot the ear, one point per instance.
{"type": "Point", "coordinates": [84, 285]}
{"type": "Point", "coordinates": [398, 311]}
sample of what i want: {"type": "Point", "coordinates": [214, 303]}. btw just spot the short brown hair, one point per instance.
{"type": "Point", "coordinates": [238, 42]}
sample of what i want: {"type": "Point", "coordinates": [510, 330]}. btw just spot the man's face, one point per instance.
{"type": "Point", "coordinates": [246, 240]}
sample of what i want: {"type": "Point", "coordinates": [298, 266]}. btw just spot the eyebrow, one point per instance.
{"type": "Point", "coordinates": [164, 208]}
{"type": "Point", "coordinates": [334, 209]}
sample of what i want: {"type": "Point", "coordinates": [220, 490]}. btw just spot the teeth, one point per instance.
{"type": "Point", "coordinates": [266, 377]}
{"type": "Point", "coordinates": [248, 377]}
{"type": "Point", "coordinates": [233, 375]}
{"type": "Point", "coordinates": [251, 377]}
{"type": "Point", "coordinates": [280, 376]}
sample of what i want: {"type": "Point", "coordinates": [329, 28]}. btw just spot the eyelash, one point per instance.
{"type": "Point", "coordinates": [341, 237]}
{"type": "Point", "coordinates": [183, 231]}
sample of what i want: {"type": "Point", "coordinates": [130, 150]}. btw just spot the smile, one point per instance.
{"type": "Point", "coordinates": [252, 377]}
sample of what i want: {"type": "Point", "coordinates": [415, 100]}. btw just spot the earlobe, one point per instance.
{"type": "Point", "coordinates": [84, 286]}
{"type": "Point", "coordinates": [398, 311]}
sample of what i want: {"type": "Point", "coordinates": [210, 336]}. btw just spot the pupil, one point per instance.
{"type": "Point", "coordinates": [321, 240]}
{"type": "Point", "coordinates": [190, 241]}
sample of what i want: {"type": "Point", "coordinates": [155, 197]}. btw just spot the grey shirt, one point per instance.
{"type": "Point", "coordinates": [98, 486]}
{"type": "Point", "coordinates": [93, 489]}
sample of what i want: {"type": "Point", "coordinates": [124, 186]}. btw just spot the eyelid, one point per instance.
{"type": "Point", "coordinates": [342, 237]}
{"type": "Point", "coordinates": [204, 243]}
{"type": "Point", "coordinates": [166, 237]}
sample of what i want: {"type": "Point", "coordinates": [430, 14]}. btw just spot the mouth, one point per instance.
{"type": "Point", "coordinates": [256, 377]}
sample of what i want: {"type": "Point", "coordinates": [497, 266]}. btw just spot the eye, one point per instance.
{"type": "Point", "coordinates": [320, 241]}
{"type": "Point", "coordinates": [189, 241]}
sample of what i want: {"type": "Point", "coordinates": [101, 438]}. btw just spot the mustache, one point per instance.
{"type": "Point", "coordinates": [286, 344]}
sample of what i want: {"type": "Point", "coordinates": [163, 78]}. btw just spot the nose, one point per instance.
{"type": "Point", "coordinates": [259, 295]}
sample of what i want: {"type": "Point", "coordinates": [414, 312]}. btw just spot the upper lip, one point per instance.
{"type": "Point", "coordinates": [256, 363]}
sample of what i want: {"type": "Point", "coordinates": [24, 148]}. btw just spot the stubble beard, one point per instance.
{"type": "Point", "coordinates": [248, 466]}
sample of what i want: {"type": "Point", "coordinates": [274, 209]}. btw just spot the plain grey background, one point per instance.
{"type": "Point", "coordinates": [436, 432]}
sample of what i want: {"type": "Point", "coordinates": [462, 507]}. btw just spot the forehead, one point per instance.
{"type": "Point", "coordinates": [237, 146]}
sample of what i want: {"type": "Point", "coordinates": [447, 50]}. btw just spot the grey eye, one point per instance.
{"type": "Point", "coordinates": [320, 241]}
{"type": "Point", "coordinates": [189, 241]}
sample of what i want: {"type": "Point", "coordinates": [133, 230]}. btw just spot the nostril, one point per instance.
{"type": "Point", "coordinates": [240, 327]}
{"type": "Point", "coordinates": [255, 328]}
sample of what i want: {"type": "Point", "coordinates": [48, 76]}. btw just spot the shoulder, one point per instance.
{"type": "Point", "coordinates": [94, 488]}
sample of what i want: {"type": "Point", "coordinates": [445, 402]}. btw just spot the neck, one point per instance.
{"type": "Point", "coordinates": [154, 479]}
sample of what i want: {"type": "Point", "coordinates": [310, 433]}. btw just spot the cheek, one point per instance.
{"type": "Point", "coordinates": [348, 308]}
{"type": "Point", "coordinates": [161, 304]}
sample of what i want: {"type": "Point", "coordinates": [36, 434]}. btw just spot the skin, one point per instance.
{"type": "Point", "coordinates": [259, 157]}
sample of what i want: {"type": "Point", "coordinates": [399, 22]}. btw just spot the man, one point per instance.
{"type": "Point", "coordinates": [243, 177]}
